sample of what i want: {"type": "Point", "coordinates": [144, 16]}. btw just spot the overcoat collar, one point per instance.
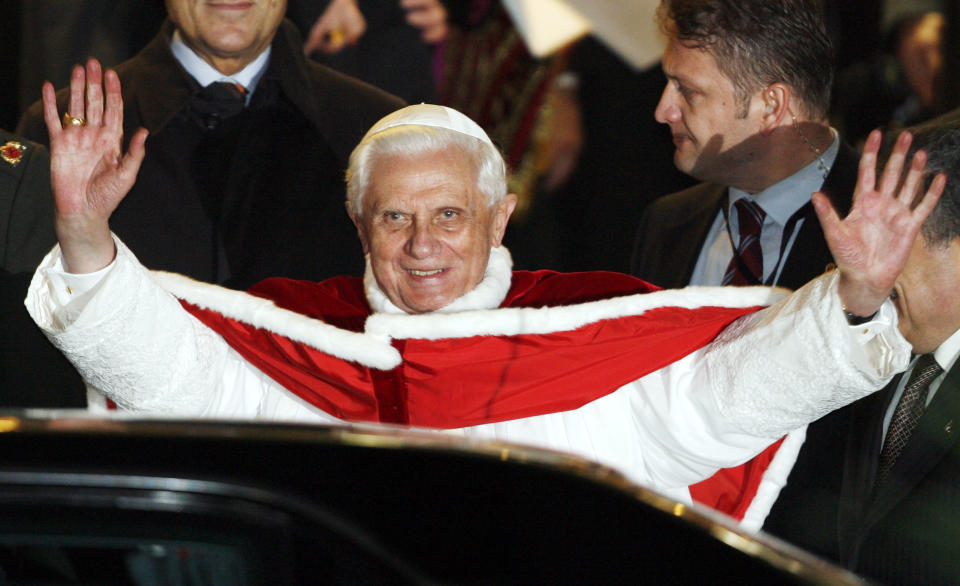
{"type": "Point", "coordinates": [157, 68]}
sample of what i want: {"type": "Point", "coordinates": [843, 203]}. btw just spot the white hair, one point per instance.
{"type": "Point", "coordinates": [413, 140]}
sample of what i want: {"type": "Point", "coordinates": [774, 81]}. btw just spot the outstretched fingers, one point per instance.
{"type": "Point", "coordinates": [829, 218]}
{"type": "Point", "coordinates": [894, 167]}
{"type": "Point", "coordinates": [867, 171]}
{"type": "Point", "coordinates": [130, 163]}
{"type": "Point", "coordinates": [930, 198]}
{"type": "Point", "coordinates": [113, 115]}
{"type": "Point", "coordinates": [94, 93]}
{"type": "Point", "coordinates": [914, 179]}
{"type": "Point", "coordinates": [50, 114]}
{"type": "Point", "coordinates": [75, 104]}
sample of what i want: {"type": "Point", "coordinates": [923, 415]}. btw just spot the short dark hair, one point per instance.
{"type": "Point", "coordinates": [940, 138]}
{"type": "Point", "coordinates": [759, 42]}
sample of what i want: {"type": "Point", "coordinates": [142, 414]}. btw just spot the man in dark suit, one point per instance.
{"type": "Point", "coordinates": [244, 179]}
{"type": "Point", "coordinates": [748, 88]}
{"type": "Point", "coordinates": [850, 497]}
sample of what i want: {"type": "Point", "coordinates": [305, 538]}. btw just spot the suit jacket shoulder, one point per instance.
{"type": "Point", "coordinates": [26, 203]}
{"type": "Point", "coordinates": [671, 233]}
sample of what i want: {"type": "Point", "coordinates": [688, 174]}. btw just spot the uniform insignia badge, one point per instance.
{"type": "Point", "coordinates": [12, 152]}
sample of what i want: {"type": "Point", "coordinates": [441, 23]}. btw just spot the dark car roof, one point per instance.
{"type": "Point", "coordinates": [272, 503]}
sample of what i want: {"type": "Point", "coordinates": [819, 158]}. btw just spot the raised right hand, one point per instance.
{"type": "Point", "coordinates": [88, 171]}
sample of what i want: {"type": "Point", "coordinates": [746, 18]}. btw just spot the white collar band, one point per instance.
{"type": "Point", "coordinates": [489, 294]}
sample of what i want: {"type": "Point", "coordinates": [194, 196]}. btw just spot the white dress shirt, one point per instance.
{"type": "Point", "coordinates": [946, 356]}
{"type": "Point", "coordinates": [205, 74]}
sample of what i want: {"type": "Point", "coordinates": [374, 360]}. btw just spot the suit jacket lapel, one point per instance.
{"type": "Point", "coordinates": [690, 235]}
{"type": "Point", "coordinates": [156, 87]}
{"type": "Point", "coordinates": [860, 462]}
{"type": "Point", "coordinates": [839, 186]}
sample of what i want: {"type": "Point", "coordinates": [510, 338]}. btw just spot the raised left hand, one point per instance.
{"type": "Point", "coordinates": [871, 245]}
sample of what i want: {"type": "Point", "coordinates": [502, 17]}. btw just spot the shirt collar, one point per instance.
{"type": "Point", "coordinates": [489, 294]}
{"type": "Point", "coordinates": [205, 74]}
{"type": "Point", "coordinates": [781, 200]}
{"type": "Point", "coordinates": [946, 354]}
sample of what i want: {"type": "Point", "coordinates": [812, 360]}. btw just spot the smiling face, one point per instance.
{"type": "Point", "coordinates": [427, 228]}
{"type": "Point", "coordinates": [228, 34]}
{"type": "Point", "coordinates": [926, 295]}
{"type": "Point", "coordinates": [700, 106]}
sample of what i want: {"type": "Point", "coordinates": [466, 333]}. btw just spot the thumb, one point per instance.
{"type": "Point", "coordinates": [826, 213]}
{"type": "Point", "coordinates": [130, 163]}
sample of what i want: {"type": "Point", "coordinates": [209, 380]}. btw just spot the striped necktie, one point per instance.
{"type": "Point", "coordinates": [746, 266]}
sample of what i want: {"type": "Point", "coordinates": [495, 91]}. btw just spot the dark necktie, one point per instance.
{"type": "Point", "coordinates": [217, 102]}
{"type": "Point", "coordinates": [907, 413]}
{"type": "Point", "coordinates": [746, 266]}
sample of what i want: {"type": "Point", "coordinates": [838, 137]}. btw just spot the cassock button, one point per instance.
{"type": "Point", "coordinates": [948, 428]}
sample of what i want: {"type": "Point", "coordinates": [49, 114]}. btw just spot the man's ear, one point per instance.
{"type": "Point", "coordinates": [501, 217]}
{"type": "Point", "coordinates": [775, 102]}
{"type": "Point", "coordinates": [358, 222]}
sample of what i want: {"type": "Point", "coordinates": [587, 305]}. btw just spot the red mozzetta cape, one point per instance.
{"type": "Point", "coordinates": [502, 364]}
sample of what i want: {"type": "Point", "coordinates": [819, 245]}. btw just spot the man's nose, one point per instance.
{"type": "Point", "coordinates": [422, 242]}
{"type": "Point", "coordinates": [667, 111]}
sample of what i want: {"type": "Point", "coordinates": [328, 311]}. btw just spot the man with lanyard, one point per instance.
{"type": "Point", "coordinates": [752, 124]}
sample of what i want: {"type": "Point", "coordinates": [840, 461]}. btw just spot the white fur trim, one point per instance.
{"type": "Point", "coordinates": [490, 293]}
{"type": "Point", "coordinates": [263, 313]}
{"type": "Point", "coordinates": [372, 348]}
{"type": "Point", "coordinates": [518, 320]}
{"type": "Point", "coordinates": [773, 480]}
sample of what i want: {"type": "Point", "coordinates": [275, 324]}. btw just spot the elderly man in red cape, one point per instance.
{"type": "Point", "coordinates": [666, 386]}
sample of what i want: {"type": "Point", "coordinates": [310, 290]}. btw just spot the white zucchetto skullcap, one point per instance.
{"type": "Point", "coordinates": [431, 115]}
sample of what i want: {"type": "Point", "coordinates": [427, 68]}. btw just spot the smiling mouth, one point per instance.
{"type": "Point", "coordinates": [419, 273]}
{"type": "Point", "coordinates": [230, 5]}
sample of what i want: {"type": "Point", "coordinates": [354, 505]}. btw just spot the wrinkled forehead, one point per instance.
{"type": "Point", "coordinates": [424, 180]}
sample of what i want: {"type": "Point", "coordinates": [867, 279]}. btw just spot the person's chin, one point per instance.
{"type": "Point", "coordinates": [423, 298]}
{"type": "Point", "coordinates": [684, 162]}
{"type": "Point", "coordinates": [426, 305]}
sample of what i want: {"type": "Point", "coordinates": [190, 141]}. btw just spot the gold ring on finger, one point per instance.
{"type": "Point", "coordinates": [69, 120]}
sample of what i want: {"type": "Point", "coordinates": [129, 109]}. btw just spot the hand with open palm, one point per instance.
{"type": "Point", "coordinates": [871, 244]}
{"type": "Point", "coordinates": [88, 171]}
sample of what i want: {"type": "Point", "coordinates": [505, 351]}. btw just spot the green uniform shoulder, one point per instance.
{"type": "Point", "coordinates": [16, 153]}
